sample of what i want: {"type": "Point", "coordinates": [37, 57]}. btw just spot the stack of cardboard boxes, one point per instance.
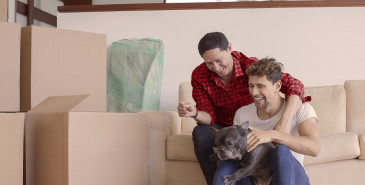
{"type": "Point", "coordinates": [36, 63]}
{"type": "Point", "coordinates": [54, 128]}
{"type": "Point", "coordinates": [11, 120]}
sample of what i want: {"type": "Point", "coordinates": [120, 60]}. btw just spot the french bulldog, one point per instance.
{"type": "Point", "coordinates": [232, 145]}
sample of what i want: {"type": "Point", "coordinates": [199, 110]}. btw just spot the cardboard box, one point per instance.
{"type": "Point", "coordinates": [88, 148]}
{"type": "Point", "coordinates": [9, 67]}
{"type": "Point", "coordinates": [57, 62]}
{"type": "Point", "coordinates": [11, 148]}
{"type": "Point", "coordinates": [3, 10]}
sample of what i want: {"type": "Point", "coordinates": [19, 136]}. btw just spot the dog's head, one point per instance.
{"type": "Point", "coordinates": [231, 141]}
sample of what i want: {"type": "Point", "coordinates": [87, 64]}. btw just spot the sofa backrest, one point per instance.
{"type": "Point", "coordinates": [329, 103]}
{"type": "Point", "coordinates": [355, 90]}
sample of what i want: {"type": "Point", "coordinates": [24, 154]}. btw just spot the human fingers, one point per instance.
{"type": "Point", "coordinates": [250, 140]}
{"type": "Point", "coordinates": [253, 146]}
{"type": "Point", "coordinates": [180, 108]}
{"type": "Point", "coordinates": [182, 104]}
{"type": "Point", "coordinates": [190, 107]}
{"type": "Point", "coordinates": [253, 129]}
{"type": "Point", "coordinates": [182, 112]}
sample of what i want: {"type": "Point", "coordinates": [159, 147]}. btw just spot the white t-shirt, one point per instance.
{"type": "Point", "coordinates": [249, 113]}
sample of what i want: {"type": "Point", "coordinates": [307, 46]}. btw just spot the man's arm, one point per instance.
{"type": "Point", "coordinates": [189, 110]}
{"type": "Point", "coordinates": [308, 143]}
{"type": "Point", "coordinates": [294, 94]}
{"type": "Point", "coordinates": [293, 103]}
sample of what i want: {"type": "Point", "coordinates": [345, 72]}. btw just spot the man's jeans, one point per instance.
{"type": "Point", "coordinates": [203, 140]}
{"type": "Point", "coordinates": [286, 169]}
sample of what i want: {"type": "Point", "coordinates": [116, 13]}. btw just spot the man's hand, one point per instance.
{"type": "Point", "coordinates": [257, 137]}
{"type": "Point", "coordinates": [186, 109]}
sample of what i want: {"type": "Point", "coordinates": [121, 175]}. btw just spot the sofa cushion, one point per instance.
{"type": "Point", "coordinates": [330, 105]}
{"type": "Point", "coordinates": [362, 146]}
{"type": "Point", "coordinates": [335, 147]}
{"type": "Point", "coordinates": [355, 105]}
{"type": "Point", "coordinates": [349, 172]}
{"type": "Point", "coordinates": [184, 173]}
{"type": "Point", "coordinates": [180, 148]}
{"type": "Point", "coordinates": [338, 146]}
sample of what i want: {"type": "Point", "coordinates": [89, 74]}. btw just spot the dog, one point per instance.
{"type": "Point", "coordinates": [232, 144]}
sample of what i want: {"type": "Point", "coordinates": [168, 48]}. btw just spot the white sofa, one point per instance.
{"type": "Point", "coordinates": [341, 110]}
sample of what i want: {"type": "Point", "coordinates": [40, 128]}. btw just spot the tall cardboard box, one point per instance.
{"type": "Point", "coordinates": [64, 147]}
{"type": "Point", "coordinates": [9, 67]}
{"type": "Point", "coordinates": [57, 62]}
{"type": "Point", "coordinates": [3, 10]}
{"type": "Point", "coordinates": [11, 148]}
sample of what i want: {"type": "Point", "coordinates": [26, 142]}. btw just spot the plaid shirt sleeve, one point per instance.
{"type": "Point", "coordinates": [292, 86]}
{"type": "Point", "coordinates": [203, 102]}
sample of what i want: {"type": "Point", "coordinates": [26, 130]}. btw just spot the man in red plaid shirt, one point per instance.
{"type": "Point", "coordinates": [220, 88]}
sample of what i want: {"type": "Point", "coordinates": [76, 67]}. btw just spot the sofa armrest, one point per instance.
{"type": "Point", "coordinates": [362, 146]}
{"type": "Point", "coordinates": [170, 120]}
{"type": "Point", "coordinates": [180, 148]}
{"type": "Point", "coordinates": [335, 147]}
{"type": "Point", "coordinates": [161, 125]}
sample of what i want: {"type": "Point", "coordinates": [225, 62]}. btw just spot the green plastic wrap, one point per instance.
{"type": "Point", "coordinates": [135, 75]}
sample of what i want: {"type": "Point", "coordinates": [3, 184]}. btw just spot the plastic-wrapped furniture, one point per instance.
{"type": "Point", "coordinates": [135, 75]}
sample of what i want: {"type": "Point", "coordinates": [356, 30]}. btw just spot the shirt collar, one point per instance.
{"type": "Point", "coordinates": [237, 69]}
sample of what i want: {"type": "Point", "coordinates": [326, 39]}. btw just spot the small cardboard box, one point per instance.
{"type": "Point", "coordinates": [9, 67]}
{"type": "Point", "coordinates": [11, 148]}
{"type": "Point", "coordinates": [3, 10]}
{"type": "Point", "coordinates": [64, 147]}
{"type": "Point", "coordinates": [56, 62]}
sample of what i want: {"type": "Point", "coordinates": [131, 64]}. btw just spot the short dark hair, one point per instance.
{"type": "Point", "coordinates": [212, 40]}
{"type": "Point", "coordinates": [266, 66]}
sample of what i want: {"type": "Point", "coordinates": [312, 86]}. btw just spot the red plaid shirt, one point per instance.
{"type": "Point", "coordinates": [220, 103]}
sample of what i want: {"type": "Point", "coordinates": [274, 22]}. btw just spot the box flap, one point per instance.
{"type": "Point", "coordinates": [55, 104]}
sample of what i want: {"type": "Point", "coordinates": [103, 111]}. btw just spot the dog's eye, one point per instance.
{"type": "Point", "coordinates": [229, 143]}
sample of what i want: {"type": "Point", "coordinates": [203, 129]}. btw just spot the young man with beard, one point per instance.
{"type": "Point", "coordinates": [220, 88]}
{"type": "Point", "coordinates": [287, 158]}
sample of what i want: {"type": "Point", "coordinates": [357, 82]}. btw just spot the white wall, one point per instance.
{"type": "Point", "coordinates": [319, 46]}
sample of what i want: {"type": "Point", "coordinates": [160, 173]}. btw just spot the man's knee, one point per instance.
{"type": "Point", "coordinates": [200, 132]}
{"type": "Point", "coordinates": [281, 152]}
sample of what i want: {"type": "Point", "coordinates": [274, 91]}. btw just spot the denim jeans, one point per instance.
{"type": "Point", "coordinates": [287, 170]}
{"type": "Point", "coordinates": [203, 140]}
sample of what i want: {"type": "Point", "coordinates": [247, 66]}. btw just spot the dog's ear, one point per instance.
{"type": "Point", "coordinates": [244, 128]}
{"type": "Point", "coordinates": [214, 130]}
{"type": "Point", "coordinates": [245, 124]}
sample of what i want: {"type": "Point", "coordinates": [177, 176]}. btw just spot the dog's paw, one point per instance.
{"type": "Point", "coordinates": [228, 180]}
{"type": "Point", "coordinates": [214, 157]}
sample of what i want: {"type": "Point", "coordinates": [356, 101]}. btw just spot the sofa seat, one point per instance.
{"type": "Point", "coordinates": [342, 172]}
{"type": "Point", "coordinates": [335, 147]}
{"type": "Point", "coordinates": [180, 148]}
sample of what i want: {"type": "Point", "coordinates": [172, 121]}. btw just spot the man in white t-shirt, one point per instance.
{"type": "Point", "coordinates": [287, 157]}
